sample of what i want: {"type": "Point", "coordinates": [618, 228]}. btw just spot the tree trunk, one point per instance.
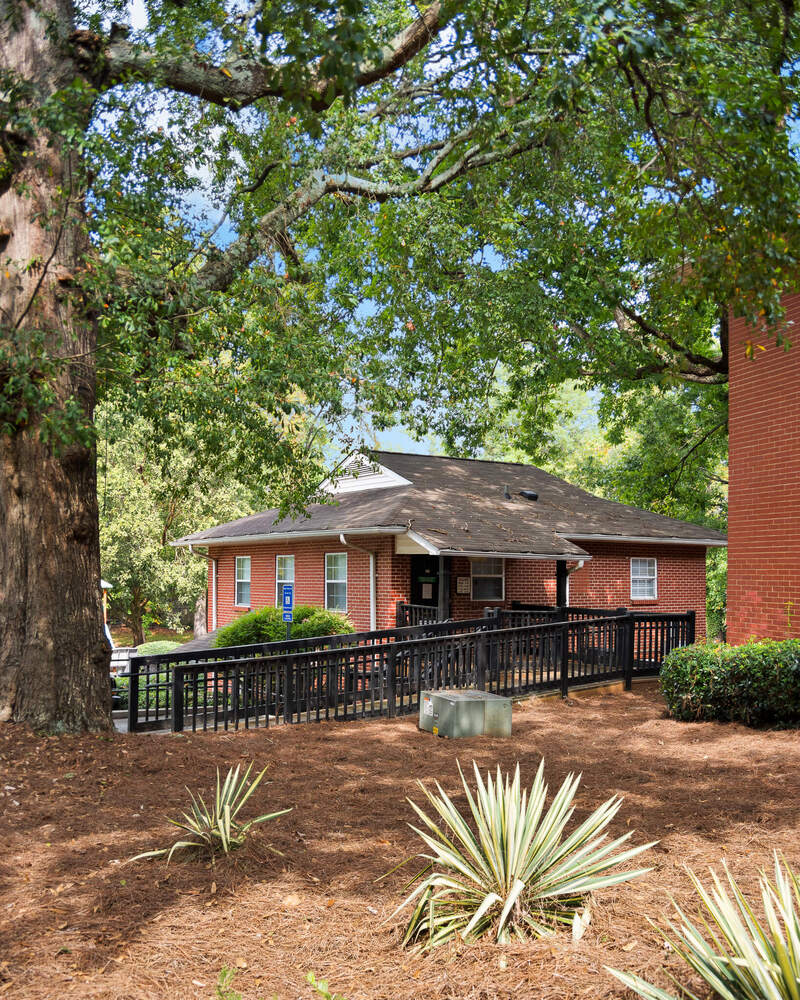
{"type": "Point", "coordinates": [135, 618]}
{"type": "Point", "coordinates": [137, 630]}
{"type": "Point", "coordinates": [200, 616]}
{"type": "Point", "coordinates": [53, 654]}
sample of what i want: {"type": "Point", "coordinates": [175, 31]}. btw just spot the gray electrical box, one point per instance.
{"type": "Point", "coordinates": [464, 713]}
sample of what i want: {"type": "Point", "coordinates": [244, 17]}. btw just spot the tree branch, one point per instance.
{"type": "Point", "coordinates": [220, 272]}
{"type": "Point", "coordinates": [240, 82]}
{"type": "Point", "coordinates": [698, 362]}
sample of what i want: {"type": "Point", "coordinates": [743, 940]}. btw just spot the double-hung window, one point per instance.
{"type": "Point", "coordinates": [243, 581]}
{"type": "Point", "coordinates": [644, 579]}
{"type": "Point", "coordinates": [336, 581]}
{"type": "Point", "coordinates": [488, 580]}
{"type": "Point", "coordinates": [284, 573]}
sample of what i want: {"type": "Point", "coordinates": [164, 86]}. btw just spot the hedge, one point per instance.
{"type": "Point", "coordinates": [267, 625]}
{"type": "Point", "coordinates": [757, 683]}
{"type": "Point", "coordinates": [156, 647]}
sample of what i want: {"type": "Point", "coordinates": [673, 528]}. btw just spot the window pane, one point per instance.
{"type": "Point", "coordinates": [243, 593]}
{"type": "Point", "coordinates": [286, 569]}
{"type": "Point", "coordinates": [487, 588]}
{"type": "Point", "coordinates": [243, 568]}
{"type": "Point", "coordinates": [487, 567]}
{"type": "Point", "coordinates": [643, 587]}
{"type": "Point", "coordinates": [336, 567]}
{"type": "Point", "coordinates": [336, 596]}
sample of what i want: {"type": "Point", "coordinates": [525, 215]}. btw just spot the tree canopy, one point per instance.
{"type": "Point", "coordinates": [350, 213]}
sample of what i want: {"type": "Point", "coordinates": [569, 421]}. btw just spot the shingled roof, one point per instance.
{"type": "Point", "coordinates": [468, 507]}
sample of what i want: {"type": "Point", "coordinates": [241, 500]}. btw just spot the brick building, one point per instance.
{"type": "Point", "coordinates": [764, 490]}
{"type": "Point", "coordinates": [455, 535]}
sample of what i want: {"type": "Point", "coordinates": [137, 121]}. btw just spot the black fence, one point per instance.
{"type": "Point", "coordinates": [415, 614]}
{"type": "Point", "coordinates": [150, 678]}
{"type": "Point", "coordinates": [368, 674]}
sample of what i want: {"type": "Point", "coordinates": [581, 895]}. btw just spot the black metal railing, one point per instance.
{"type": "Point", "coordinates": [383, 673]}
{"type": "Point", "coordinates": [150, 678]}
{"type": "Point", "coordinates": [415, 614]}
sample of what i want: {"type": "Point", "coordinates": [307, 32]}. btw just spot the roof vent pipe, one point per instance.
{"type": "Point", "coordinates": [506, 492]}
{"type": "Point", "coordinates": [529, 494]}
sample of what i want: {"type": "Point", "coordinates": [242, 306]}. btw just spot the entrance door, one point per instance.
{"type": "Point", "coordinates": [425, 580]}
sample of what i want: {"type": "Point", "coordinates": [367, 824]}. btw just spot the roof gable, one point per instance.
{"type": "Point", "coordinates": [361, 473]}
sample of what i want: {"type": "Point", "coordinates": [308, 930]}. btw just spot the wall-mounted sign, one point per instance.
{"type": "Point", "coordinates": [462, 584]}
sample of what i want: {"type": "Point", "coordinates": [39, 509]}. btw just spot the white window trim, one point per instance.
{"type": "Point", "coordinates": [278, 582]}
{"type": "Point", "coordinates": [484, 576]}
{"type": "Point", "coordinates": [654, 578]}
{"type": "Point", "coordinates": [345, 581]}
{"type": "Point", "coordinates": [237, 581]}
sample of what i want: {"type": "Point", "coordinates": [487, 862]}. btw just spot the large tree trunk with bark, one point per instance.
{"type": "Point", "coordinates": [53, 654]}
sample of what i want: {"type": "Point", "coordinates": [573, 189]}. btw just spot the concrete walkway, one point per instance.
{"type": "Point", "coordinates": [204, 642]}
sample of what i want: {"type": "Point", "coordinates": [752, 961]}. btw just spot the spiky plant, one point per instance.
{"type": "Point", "coordinates": [216, 828]}
{"type": "Point", "coordinates": [514, 871]}
{"type": "Point", "coordinates": [745, 959]}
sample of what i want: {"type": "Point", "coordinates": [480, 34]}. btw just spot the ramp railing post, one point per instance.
{"type": "Point", "coordinates": [564, 656]}
{"type": "Point", "coordinates": [391, 680]}
{"type": "Point", "coordinates": [177, 699]}
{"type": "Point", "coordinates": [626, 634]}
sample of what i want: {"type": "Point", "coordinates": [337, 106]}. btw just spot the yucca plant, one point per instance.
{"type": "Point", "coordinates": [516, 872]}
{"type": "Point", "coordinates": [745, 958]}
{"type": "Point", "coordinates": [217, 828]}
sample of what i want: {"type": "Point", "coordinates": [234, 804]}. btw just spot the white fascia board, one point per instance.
{"type": "Point", "coordinates": [483, 554]}
{"type": "Point", "coordinates": [647, 539]}
{"type": "Point", "coordinates": [285, 536]}
{"type": "Point", "coordinates": [423, 543]}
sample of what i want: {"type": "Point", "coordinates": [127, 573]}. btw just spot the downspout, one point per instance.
{"type": "Point", "coordinates": [373, 614]}
{"type": "Point", "coordinates": [213, 561]}
{"type": "Point", "coordinates": [575, 568]}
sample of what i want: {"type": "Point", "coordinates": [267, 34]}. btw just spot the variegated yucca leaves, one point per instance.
{"type": "Point", "coordinates": [217, 828]}
{"type": "Point", "coordinates": [514, 871]}
{"type": "Point", "coordinates": [742, 957]}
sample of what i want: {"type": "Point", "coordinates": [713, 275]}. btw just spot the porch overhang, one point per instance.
{"type": "Point", "coordinates": [413, 543]}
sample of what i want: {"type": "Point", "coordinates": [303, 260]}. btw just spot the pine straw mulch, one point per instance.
{"type": "Point", "coordinates": [76, 923]}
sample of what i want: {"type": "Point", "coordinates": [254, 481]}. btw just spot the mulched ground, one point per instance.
{"type": "Point", "coordinates": [75, 923]}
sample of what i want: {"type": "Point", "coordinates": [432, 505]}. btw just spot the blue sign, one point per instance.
{"type": "Point", "coordinates": [288, 601]}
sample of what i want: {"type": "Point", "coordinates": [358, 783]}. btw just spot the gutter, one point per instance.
{"type": "Point", "coordinates": [284, 536]}
{"type": "Point", "coordinates": [646, 539]}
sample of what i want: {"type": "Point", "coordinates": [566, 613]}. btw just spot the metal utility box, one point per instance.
{"type": "Point", "coordinates": [464, 713]}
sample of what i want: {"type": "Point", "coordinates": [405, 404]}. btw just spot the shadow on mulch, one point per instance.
{"type": "Point", "coordinates": [306, 891]}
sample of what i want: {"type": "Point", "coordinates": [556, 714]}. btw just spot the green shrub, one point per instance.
{"type": "Point", "coordinates": [267, 625]}
{"type": "Point", "coordinates": [156, 647]}
{"type": "Point", "coordinates": [757, 683]}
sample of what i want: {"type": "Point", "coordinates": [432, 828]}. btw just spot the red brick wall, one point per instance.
{"type": "Point", "coordinates": [309, 574]}
{"type": "Point", "coordinates": [604, 581]}
{"type": "Point", "coordinates": [764, 491]}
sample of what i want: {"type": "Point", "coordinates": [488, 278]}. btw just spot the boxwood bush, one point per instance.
{"type": "Point", "coordinates": [156, 647]}
{"type": "Point", "coordinates": [757, 683]}
{"type": "Point", "coordinates": [267, 625]}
